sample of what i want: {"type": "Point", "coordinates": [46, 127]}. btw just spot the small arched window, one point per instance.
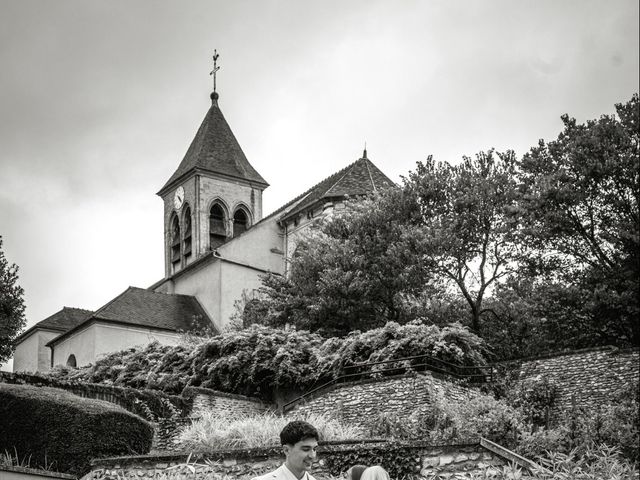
{"type": "Point", "coordinates": [71, 361]}
{"type": "Point", "coordinates": [186, 250]}
{"type": "Point", "coordinates": [175, 239]}
{"type": "Point", "coordinates": [240, 221]}
{"type": "Point", "coordinates": [217, 227]}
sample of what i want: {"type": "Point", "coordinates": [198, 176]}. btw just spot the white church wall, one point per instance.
{"type": "Point", "coordinates": [98, 339]}
{"type": "Point", "coordinates": [238, 279]}
{"type": "Point", "coordinates": [204, 284]}
{"type": "Point", "coordinates": [111, 338]}
{"type": "Point", "coordinates": [261, 246]}
{"type": "Point", "coordinates": [81, 344]}
{"type": "Point", "coordinates": [32, 353]}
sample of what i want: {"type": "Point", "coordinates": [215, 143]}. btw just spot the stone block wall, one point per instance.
{"type": "Point", "coordinates": [202, 400]}
{"type": "Point", "coordinates": [586, 378]}
{"type": "Point", "coordinates": [205, 399]}
{"type": "Point", "coordinates": [359, 403]}
{"type": "Point", "coordinates": [461, 461]}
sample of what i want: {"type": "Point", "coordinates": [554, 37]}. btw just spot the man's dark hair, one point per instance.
{"type": "Point", "coordinates": [295, 431]}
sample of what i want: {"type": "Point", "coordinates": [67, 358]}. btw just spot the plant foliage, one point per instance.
{"type": "Point", "coordinates": [11, 306]}
{"type": "Point", "coordinates": [57, 427]}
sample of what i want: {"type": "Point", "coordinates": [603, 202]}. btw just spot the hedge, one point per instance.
{"type": "Point", "coordinates": [149, 404]}
{"type": "Point", "coordinates": [57, 428]}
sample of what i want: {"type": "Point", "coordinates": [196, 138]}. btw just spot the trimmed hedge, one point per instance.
{"type": "Point", "coordinates": [58, 428]}
{"type": "Point", "coordinates": [149, 404]}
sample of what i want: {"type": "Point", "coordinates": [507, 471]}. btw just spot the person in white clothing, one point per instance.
{"type": "Point", "coordinates": [299, 442]}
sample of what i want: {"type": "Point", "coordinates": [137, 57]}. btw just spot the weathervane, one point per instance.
{"type": "Point", "coordinates": [215, 68]}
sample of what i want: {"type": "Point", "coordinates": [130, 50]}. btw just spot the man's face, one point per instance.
{"type": "Point", "coordinates": [301, 456]}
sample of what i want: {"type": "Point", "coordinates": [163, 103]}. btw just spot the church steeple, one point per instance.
{"type": "Point", "coordinates": [214, 194]}
{"type": "Point", "coordinates": [215, 150]}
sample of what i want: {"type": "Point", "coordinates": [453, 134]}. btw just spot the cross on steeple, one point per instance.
{"type": "Point", "coordinates": [215, 68]}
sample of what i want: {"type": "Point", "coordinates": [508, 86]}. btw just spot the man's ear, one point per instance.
{"type": "Point", "coordinates": [285, 450]}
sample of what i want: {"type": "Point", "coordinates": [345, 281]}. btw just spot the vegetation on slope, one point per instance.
{"type": "Point", "coordinates": [260, 360]}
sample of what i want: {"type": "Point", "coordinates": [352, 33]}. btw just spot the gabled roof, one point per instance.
{"type": "Point", "coordinates": [359, 178]}
{"type": "Point", "coordinates": [215, 149]}
{"type": "Point", "coordinates": [148, 309]}
{"type": "Point", "coordinates": [61, 321]}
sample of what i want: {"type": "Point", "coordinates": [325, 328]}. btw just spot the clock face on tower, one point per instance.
{"type": "Point", "coordinates": [178, 198]}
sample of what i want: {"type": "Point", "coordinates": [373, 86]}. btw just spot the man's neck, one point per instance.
{"type": "Point", "coordinates": [296, 473]}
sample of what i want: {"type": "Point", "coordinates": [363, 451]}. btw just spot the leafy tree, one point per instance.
{"type": "Point", "coordinates": [469, 219]}
{"type": "Point", "coordinates": [581, 202]}
{"type": "Point", "coordinates": [355, 272]}
{"type": "Point", "coordinates": [11, 306]}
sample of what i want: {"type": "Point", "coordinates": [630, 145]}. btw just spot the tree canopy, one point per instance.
{"type": "Point", "coordinates": [581, 200]}
{"type": "Point", "coordinates": [536, 254]}
{"type": "Point", "coordinates": [469, 222]}
{"type": "Point", "coordinates": [12, 306]}
{"type": "Point", "coordinates": [354, 272]}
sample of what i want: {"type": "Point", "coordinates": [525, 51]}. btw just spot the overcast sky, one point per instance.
{"type": "Point", "coordinates": [99, 101]}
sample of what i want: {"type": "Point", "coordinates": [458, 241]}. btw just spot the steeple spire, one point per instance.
{"type": "Point", "coordinates": [364, 153]}
{"type": "Point", "coordinates": [214, 94]}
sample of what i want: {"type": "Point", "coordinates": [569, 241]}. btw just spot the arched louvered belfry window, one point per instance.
{"type": "Point", "coordinates": [71, 361]}
{"type": "Point", "coordinates": [240, 222]}
{"type": "Point", "coordinates": [217, 226]}
{"type": "Point", "coordinates": [175, 239]}
{"type": "Point", "coordinates": [186, 242]}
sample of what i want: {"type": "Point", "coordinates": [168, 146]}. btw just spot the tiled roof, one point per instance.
{"type": "Point", "coordinates": [359, 178]}
{"type": "Point", "coordinates": [215, 149]}
{"type": "Point", "coordinates": [61, 321]}
{"type": "Point", "coordinates": [145, 308]}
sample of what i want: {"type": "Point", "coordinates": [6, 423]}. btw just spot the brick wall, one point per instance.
{"type": "Point", "coordinates": [586, 378]}
{"type": "Point", "coordinates": [361, 402]}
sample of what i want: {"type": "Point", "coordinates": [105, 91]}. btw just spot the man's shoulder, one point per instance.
{"type": "Point", "coordinates": [280, 474]}
{"type": "Point", "coordinates": [276, 474]}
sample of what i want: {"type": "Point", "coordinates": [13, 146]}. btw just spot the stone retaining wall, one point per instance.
{"type": "Point", "coordinates": [445, 460]}
{"type": "Point", "coordinates": [205, 399]}
{"type": "Point", "coordinates": [201, 400]}
{"type": "Point", "coordinates": [360, 403]}
{"type": "Point", "coordinates": [585, 378]}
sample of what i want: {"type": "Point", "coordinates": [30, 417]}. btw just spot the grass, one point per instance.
{"type": "Point", "coordinates": [8, 459]}
{"type": "Point", "coordinates": [213, 431]}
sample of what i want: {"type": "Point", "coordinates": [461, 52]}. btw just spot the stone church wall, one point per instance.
{"type": "Point", "coordinates": [585, 378]}
{"type": "Point", "coordinates": [359, 403]}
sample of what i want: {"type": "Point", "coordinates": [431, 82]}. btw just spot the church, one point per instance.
{"type": "Point", "coordinates": [217, 245]}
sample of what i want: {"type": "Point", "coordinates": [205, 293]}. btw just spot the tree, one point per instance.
{"type": "Point", "coordinates": [469, 218]}
{"type": "Point", "coordinates": [355, 272]}
{"type": "Point", "coordinates": [11, 306]}
{"type": "Point", "coordinates": [581, 203]}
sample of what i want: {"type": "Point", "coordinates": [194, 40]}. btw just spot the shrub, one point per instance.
{"type": "Point", "coordinates": [615, 425]}
{"type": "Point", "coordinates": [213, 430]}
{"type": "Point", "coordinates": [56, 427]}
{"type": "Point", "coordinates": [260, 360]}
{"type": "Point", "coordinates": [453, 343]}
{"type": "Point", "coordinates": [593, 463]}
{"type": "Point", "coordinates": [449, 420]}
{"type": "Point", "coordinates": [534, 397]}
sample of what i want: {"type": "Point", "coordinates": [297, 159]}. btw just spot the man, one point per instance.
{"type": "Point", "coordinates": [299, 442]}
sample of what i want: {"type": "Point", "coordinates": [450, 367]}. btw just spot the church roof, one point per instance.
{"type": "Point", "coordinates": [359, 178]}
{"type": "Point", "coordinates": [215, 149]}
{"type": "Point", "coordinates": [61, 321]}
{"type": "Point", "coordinates": [148, 309]}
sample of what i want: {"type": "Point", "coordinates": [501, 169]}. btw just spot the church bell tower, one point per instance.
{"type": "Point", "coordinates": [213, 196]}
